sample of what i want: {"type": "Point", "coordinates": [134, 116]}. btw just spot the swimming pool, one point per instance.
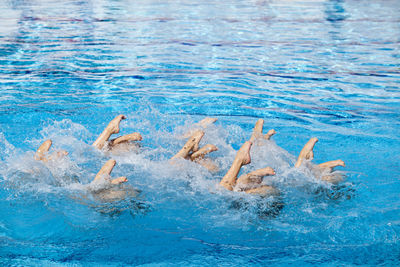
{"type": "Point", "coordinates": [309, 68]}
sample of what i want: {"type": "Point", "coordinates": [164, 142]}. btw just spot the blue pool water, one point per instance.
{"type": "Point", "coordinates": [328, 69]}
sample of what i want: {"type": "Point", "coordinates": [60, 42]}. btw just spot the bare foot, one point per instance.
{"type": "Point", "coordinates": [203, 151]}
{"type": "Point", "coordinates": [332, 164]}
{"type": "Point", "coordinates": [119, 180]}
{"type": "Point", "coordinates": [204, 123]}
{"type": "Point", "coordinates": [242, 158]}
{"type": "Point", "coordinates": [42, 150]}
{"type": "Point", "coordinates": [243, 155]}
{"type": "Point", "coordinates": [269, 134]}
{"type": "Point", "coordinates": [190, 145]}
{"type": "Point", "coordinates": [257, 131]}
{"type": "Point", "coordinates": [307, 152]}
{"type": "Point", "coordinates": [263, 172]}
{"type": "Point", "coordinates": [249, 180]}
{"type": "Point", "coordinates": [113, 126]}
{"type": "Point", "coordinates": [126, 138]}
{"type": "Point", "coordinates": [106, 169]}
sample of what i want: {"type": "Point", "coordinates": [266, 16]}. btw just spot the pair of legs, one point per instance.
{"type": "Point", "coordinates": [192, 151]}
{"type": "Point", "coordinates": [324, 170]}
{"type": "Point", "coordinates": [113, 128]}
{"type": "Point", "coordinates": [43, 155]}
{"type": "Point", "coordinates": [250, 182]}
{"type": "Point", "coordinates": [257, 132]}
{"type": "Point", "coordinates": [102, 141]}
{"type": "Point", "coordinates": [105, 172]}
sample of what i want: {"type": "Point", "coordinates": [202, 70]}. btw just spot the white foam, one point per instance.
{"type": "Point", "coordinates": [148, 167]}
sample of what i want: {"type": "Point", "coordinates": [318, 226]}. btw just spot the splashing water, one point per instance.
{"type": "Point", "coordinates": [319, 68]}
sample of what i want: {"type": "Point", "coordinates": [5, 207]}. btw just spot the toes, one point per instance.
{"type": "Point", "coordinates": [121, 117]}
{"type": "Point", "coordinates": [119, 180]}
{"type": "Point", "coordinates": [270, 171]}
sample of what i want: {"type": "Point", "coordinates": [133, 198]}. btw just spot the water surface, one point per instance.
{"type": "Point", "coordinates": [317, 68]}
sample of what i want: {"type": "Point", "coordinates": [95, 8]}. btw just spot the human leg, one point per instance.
{"type": "Point", "coordinates": [106, 169]}
{"type": "Point", "coordinates": [190, 146]}
{"type": "Point", "coordinates": [253, 179]}
{"type": "Point", "coordinates": [242, 158]}
{"type": "Point", "coordinates": [257, 132]}
{"type": "Point", "coordinates": [43, 150]}
{"type": "Point", "coordinates": [332, 164]}
{"type": "Point", "coordinates": [269, 134]}
{"type": "Point", "coordinates": [112, 128]}
{"type": "Point", "coordinates": [105, 172]}
{"type": "Point", "coordinates": [307, 151]}
{"type": "Point", "coordinates": [126, 138]}
{"type": "Point", "coordinates": [119, 180]}
{"type": "Point", "coordinates": [203, 151]}
{"type": "Point", "coordinates": [321, 171]}
{"type": "Point", "coordinates": [204, 123]}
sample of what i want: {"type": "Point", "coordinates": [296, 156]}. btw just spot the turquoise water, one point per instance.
{"type": "Point", "coordinates": [328, 69]}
